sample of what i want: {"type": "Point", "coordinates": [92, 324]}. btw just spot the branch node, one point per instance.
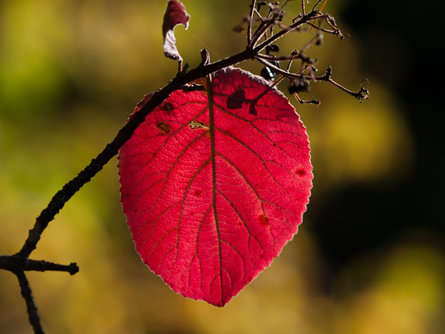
{"type": "Point", "coordinates": [73, 268]}
{"type": "Point", "coordinates": [182, 69]}
{"type": "Point", "coordinates": [363, 93]}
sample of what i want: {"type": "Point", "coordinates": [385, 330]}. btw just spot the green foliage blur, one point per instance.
{"type": "Point", "coordinates": [70, 74]}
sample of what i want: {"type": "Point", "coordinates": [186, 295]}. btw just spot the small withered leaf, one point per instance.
{"type": "Point", "coordinates": [175, 14]}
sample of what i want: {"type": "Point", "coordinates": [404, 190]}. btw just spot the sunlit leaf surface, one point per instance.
{"type": "Point", "coordinates": [215, 183]}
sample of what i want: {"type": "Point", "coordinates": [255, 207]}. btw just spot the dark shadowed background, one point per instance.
{"type": "Point", "coordinates": [369, 257]}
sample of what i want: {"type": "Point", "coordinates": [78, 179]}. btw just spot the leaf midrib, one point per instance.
{"type": "Point", "coordinates": [213, 158]}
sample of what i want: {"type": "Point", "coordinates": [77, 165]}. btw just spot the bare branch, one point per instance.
{"type": "Point", "coordinates": [42, 265]}
{"type": "Point", "coordinates": [361, 95]}
{"type": "Point", "coordinates": [335, 32]}
{"type": "Point", "coordinates": [17, 263]}
{"type": "Point", "coordinates": [316, 4]}
{"type": "Point", "coordinates": [281, 71]}
{"type": "Point", "coordinates": [281, 33]}
{"type": "Point", "coordinates": [261, 30]}
{"type": "Point", "coordinates": [296, 55]}
{"type": "Point", "coordinates": [30, 305]}
{"type": "Point", "coordinates": [249, 27]}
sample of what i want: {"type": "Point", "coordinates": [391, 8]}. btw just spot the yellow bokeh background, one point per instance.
{"type": "Point", "coordinates": [70, 74]}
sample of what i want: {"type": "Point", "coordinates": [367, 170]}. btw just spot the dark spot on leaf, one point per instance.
{"type": "Point", "coordinates": [263, 220]}
{"type": "Point", "coordinates": [300, 172]}
{"type": "Point", "coordinates": [236, 100]}
{"type": "Point", "coordinates": [167, 107]}
{"type": "Point", "coordinates": [163, 127]}
{"type": "Point", "coordinates": [198, 193]}
{"type": "Point", "coordinates": [252, 110]}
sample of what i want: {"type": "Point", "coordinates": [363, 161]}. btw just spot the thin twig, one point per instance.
{"type": "Point", "coordinates": [42, 265]}
{"type": "Point", "coordinates": [281, 71]}
{"type": "Point", "coordinates": [30, 305]}
{"type": "Point", "coordinates": [249, 24]}
{"type": "Point", "coordinates": [335, 32]}
{"type": "Point", "coordinates": [313, 40]}
{"type": "Point", "coordinates": [297, 55]}
{"type": "Point", "coordinates": [17, 263]}
{"type": "Point", "coordinates": [278, 58]}
{"type": "Point", "coordinates": [284, 4]}
{"type": "Point", "coordinates": [281, 33]}
{"type": "Point", "coordinates": [316, 4]}
{"type": "Point", "coordinates": [262, 29]}
{"type": "Point", "coordinates": [362, 94]}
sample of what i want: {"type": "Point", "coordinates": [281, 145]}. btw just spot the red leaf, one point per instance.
{"type": "Point", "coordinates": [174, 15]}
{"type": "Point", "coordinates": [212, 197]}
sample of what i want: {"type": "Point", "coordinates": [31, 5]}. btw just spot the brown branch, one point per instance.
{"type": "Point", "coordinates": [296, 55]}
{"type": "Point", "coordinates": [42, 265]}
{"type": "Point", "coordinates": [316, 4]}
{"type": "Point", "coordinates": [361, 95]}
{"type": "Point", "coordinates": [281, 71]}
{"type": "Point", "coordinates": [292, 27]}
{"type": "Point", "coordinates": [17, 263]}
{"type": "Point", "coordinates": [261, 30]}
{"type": "Point", "coordinates": [33, 315]}
{"type": "Point", "coordinates": [335, 32]}
{"type": "Point", "coordinates": [249, 24]}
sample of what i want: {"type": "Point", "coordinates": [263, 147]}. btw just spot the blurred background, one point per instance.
{"type": "Point", "coordinates": [369, 257]}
